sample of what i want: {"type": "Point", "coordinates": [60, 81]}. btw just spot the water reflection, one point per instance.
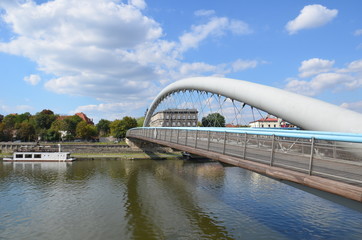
{"type": "Point", "coordinates": [169, 199]}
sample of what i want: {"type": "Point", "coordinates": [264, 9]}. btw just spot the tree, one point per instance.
{"type": "Point", "coordinates": [71, 124]}
{"type": "Point", "coordinates": [103, 127]}
{"type": "Point", "coordinates": [44, 119]}
{"type": "Point", "coordinates": [26, 132]}
{"type": "Point", "coordinates": [140, 121]}
{"type": "Point", "coordinates": [86, 131]}
{"type": "Point", "coordinates": [116, 128]}
{"type": "Point", "coordinates": [53, 135]}
{"type": "Point", "coordinates": [5, 134]}
{"type": "Point", "coordinates": [213, 120]}
{"type": "Point", "coordinates": [119, 128]}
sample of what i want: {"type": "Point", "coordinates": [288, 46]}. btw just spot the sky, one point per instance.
{"type": "Point", "coordinates": [110, 58]}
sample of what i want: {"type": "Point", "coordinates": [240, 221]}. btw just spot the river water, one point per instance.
{"type": "Point", "coordinates": [165, 199]}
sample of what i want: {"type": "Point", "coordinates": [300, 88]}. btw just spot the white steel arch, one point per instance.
{"type": "Point", "coordinates": [305, 112]}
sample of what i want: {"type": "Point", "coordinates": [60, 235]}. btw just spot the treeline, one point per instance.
{"type": "Point", "coordinates": [47, 126]}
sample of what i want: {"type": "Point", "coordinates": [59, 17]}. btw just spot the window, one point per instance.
{"type": "Point", "coordinates": [28, 156]}
{"type": "Point", "coordinates": [37, 155]}
{"type": "Point", "coordinates": [19, 156]}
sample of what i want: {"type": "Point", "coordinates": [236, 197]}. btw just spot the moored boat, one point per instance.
{"type": "Point", "coordinates": [40, 154]}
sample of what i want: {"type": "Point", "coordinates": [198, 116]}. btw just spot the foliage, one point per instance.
{"type": "Point", "coordinates": [71, 124]}
{"type": "Point", "coordinates": [44, 119]}
{"type": "Point", "coordinates": [26, 132]}
{"type": "Point", "coordinates": [140, 121]}
{"type": "Point", "coordinates": [119, 128]}
{"type": "Point", "coordinates": [46, 125]}
{"type": "Point", "coordinates": [213, 120]}
{"type": "Point", "coordinates": [5, 134]}
{"type": "Point", "coordinates": [103, 127]}
{"type": "Point", "coordinates": [52, 135]}
{"type": "Point", "coordinates": [86, 131]}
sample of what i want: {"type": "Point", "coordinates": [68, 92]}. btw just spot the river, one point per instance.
{"type": "Point", "coordinates": [164, 199]}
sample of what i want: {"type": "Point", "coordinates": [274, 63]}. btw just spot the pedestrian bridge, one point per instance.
{"type": "Point", "coordinates": [326, 155]}
{"type": "Point", "coordinates": [324, 160]}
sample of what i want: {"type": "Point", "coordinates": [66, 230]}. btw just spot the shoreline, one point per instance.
{"type": "Point", "coordinates": [118, 156]}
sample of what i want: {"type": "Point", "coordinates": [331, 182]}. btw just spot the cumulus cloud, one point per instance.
{"type": "Point", "coordinates": [324, 77]}
{"type": "Point", "coordinates": [217, 26]}
{"type": "Point", "coordinates": [108, 49]}
{"type": "Point", "coordinates": [32, 79]}
{"type": "Point", "coordinates": [311, 16]}
{"type": "Point", "coordinates": [315, 66]}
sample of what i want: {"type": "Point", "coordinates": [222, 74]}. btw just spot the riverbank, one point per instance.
{"type": "Point", "coordinates": [119, 155]}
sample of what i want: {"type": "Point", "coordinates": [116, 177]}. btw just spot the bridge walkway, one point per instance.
{"type": "Point", "coordinates": [306, 157]}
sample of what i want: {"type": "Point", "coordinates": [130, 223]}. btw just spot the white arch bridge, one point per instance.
{"type": "Point", "coordinates": [327, 155]}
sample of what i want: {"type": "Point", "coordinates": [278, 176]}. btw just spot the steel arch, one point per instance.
{"type": "Point", "coordinates": [305, 112]}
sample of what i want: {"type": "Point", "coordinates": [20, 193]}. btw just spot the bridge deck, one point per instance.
{"type": "Point", "coordinates": [327, 161]}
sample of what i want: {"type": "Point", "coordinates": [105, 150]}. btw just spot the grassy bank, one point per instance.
{"type": "Point", "coordinates": [137, 155]}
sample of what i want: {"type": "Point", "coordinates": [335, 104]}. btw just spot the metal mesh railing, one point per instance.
{"type": "Point", "coordinates": [335, 160]}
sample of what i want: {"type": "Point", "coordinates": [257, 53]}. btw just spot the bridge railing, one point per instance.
{"type": "Point", "coordinates": [337, 160]}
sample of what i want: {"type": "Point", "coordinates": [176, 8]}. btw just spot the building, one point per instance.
{"type": "Point", "coordinates": [81, 115]}
{"type": "Point", "coordinates": [175, 118]}
{"type": "Point", "coordinates": [270, 122]}
{"type": "Point", "coordinates": [85, 118]}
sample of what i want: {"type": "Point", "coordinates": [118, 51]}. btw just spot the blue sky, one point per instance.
{"type": "Point", "coordinates": [110, 58]}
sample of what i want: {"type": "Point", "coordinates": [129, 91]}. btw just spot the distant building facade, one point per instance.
{"type": "Point", "coordinates": [175, 118]}
{"type": "Point", "coordinates": [270, 122]}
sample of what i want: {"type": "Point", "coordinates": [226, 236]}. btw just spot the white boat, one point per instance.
{"type": "Point", "coordinates": [40, 154]}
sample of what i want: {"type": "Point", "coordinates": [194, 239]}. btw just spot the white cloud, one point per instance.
{"type": "Point", "coordinates": [6, 109]}
{"type": "Point", "coordinates": [244, 64]}
{"type": "Point", "coordinates": [315, 66]}
{"type": "Point", "coordinates": [32, 79]}
{"type": "Point", "coordinates": [112, 111]}
{"type": "Point", "coordinates": [138, 3]}
{"type": "Point", "coordinates": [311, 16]}
{"type": "Point", "coordinates": [358, 32]}
{"type": "Point", "coordinates": [355, 106]}
{"type": "Point", "coordinates": [325, 77]}
{"type": "Point", "coordinates": [204, 12]}
{"type": "Point", "coordinates": [108, 49]}
{"type": "Point", "coordinates": [217, 26]}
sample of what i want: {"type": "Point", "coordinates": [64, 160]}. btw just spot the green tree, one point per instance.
{"type": "Point", "coordinates": [119, 128]}
{"type": "Point", "coordinates": [71, 124]}
{"type": "Point", "coordinates": [86, 131]}
{"type": "Point", "coordinates": [44, 119]}
{"type": "Point", "coordinates": [213, 120]}
{"type": "Point", "coordinates": [140, 121]}
{"type": "Point", "coordinates": [103, 127]}
{"type": "Point", "coordinates": [116, 128]}
{"type": "Point", "coordinates": [26, 132]}
{"type": "Point", "coordinates": [52, 135]}
{"type": "Point", "coordinates": [5, 134]}
{"type": "Point", "coordinates": [9, 121]}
